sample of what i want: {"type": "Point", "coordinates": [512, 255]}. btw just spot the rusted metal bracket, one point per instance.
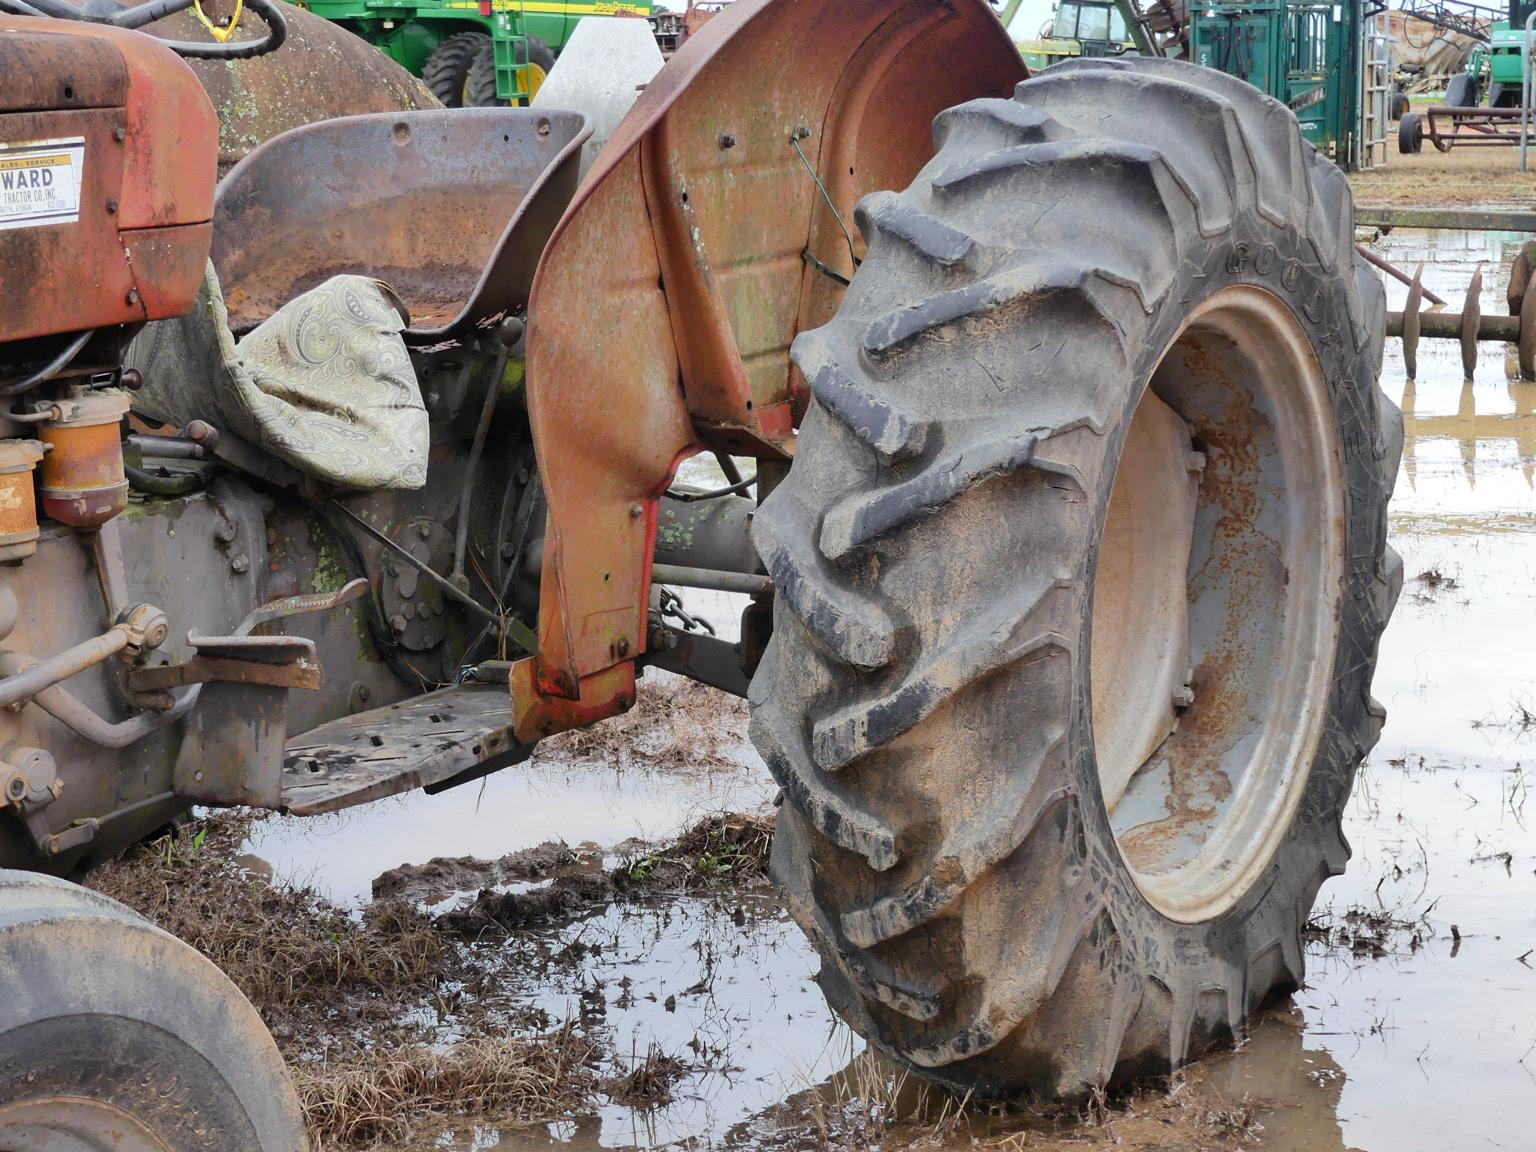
{"type": "Point", "coordinates": [240, 658]}
{"type": "Point", "coordinates": [271, 661]}
{"type": "Point", "coordinates": [232, 752]}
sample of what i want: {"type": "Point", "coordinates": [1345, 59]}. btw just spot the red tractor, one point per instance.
{"type": "Point", "coordinates": [1065, 546]}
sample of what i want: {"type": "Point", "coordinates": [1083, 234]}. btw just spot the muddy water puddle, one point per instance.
{"type": "Point", "coordinates": [602, 787]}
{"type": "Point", "coordinates": [1417, 1027]}
{"type": "Point", "coordinates": [722, 984]}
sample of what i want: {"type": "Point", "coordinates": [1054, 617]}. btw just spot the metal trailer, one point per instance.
{"type": "Point", "coordinates": [1306, 55]}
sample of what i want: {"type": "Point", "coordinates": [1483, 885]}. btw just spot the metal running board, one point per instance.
{"type": "Point", "coordinates": [418, 742]}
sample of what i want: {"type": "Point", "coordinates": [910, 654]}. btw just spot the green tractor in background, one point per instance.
{"type": "Point", "coordinates": [1493, 72]}
{"type": "Point", "coordinates": [1078, 28]}
{"type": "Point", "coordinates": [472, 53]}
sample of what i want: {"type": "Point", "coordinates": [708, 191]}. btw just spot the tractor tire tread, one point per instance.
{"type": "Point", "coordinates": [910, 881]}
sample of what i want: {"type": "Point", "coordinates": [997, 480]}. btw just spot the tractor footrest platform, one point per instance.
{"type": "Point", "coordinates": [416, 743]}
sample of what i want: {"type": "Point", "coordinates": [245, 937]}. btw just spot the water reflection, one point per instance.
{"type": "Point", "coordinates": [1506, 423]}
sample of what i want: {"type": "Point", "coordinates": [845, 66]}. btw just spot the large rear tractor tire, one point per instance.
{"type": "Point", "coordinates": [1080, 572]}
{"type": "Point", "coordinates": [117, 1037]}
{"type": "Point", "coordinates": [447, 69]}
{"type": "Point", "coordinates": [480, 89]}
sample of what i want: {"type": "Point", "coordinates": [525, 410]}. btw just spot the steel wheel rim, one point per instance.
{"type": "Point", "coordinates": [65, 1123]}
{"type": "Point", "coordinates": [536, 77]}
{"type": "Point", "coordinates": [1201, 818]}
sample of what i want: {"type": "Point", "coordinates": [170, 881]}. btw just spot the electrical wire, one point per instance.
{"type": "Point", "coordinates": [731, 490]}
{"type": "Point", "coordinates": [52, 368]}
{"type": "Point", "coordinates": [795, 137]}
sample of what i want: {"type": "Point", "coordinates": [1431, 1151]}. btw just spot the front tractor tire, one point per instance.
{"type": "Point", "coordinates": [117, 1037]}
{"type": "Point", "coordinates": [1080, 573]}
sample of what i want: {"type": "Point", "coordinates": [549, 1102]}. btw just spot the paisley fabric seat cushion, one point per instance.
{"type": "Point", "coordinates": [325, 384]}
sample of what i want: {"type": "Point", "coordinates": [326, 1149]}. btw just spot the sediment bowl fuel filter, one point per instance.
{"type": "Point", "coordinates": [83, 483]}
{"type": "Point", "coordinates": [18, 503]}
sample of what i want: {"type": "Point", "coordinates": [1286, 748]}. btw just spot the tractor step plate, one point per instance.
{"type": "Point", "coordinates": [412, 744]}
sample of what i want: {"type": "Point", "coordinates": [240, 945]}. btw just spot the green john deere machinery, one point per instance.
{"type": "Point", "coordinates": [1306, 55]}
{"type": "Point", "coordinates": [472, 53]}
{"type": "Point", "coordinates": [1493, 72]}
{"type": "Point", "coordinates": [1079, 28]}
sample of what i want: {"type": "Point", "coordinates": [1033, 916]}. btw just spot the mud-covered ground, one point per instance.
{"type": "Point", "coordinates": [1461, 178]}
{"type": "Point", "coordinates": [583, 951]}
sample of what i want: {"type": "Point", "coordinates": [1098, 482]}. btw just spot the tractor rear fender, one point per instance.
{"type": "Point", "coordinates": [666, 300]}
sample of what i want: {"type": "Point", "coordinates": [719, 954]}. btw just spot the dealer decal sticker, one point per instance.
{"type": "Point", "coordinates": [40, 182]}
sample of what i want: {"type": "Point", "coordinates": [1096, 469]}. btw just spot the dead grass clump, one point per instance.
{"type": "Point", "coordinates": [379, 1095]}
{"type": "Point", "coordinates": [649, 1080]}
{"type": "Point", "coordinates": [285, 947]}
{"type": "Point", "coordinates": [1367, 932]}
{"type": "Point", "coordinates": [560, 899]}
{"type": "Point", "coordinates": [1238, 1120]}
{"type": "Point", "coordinates": [872, 1104]}
{"type": "Point", "coordinates": [728, 846]}
{"type": "Point", "coordinates": [1432, 583]}
{"type": "Point", "coordinates": [675, 724]}
{"type": "Point", "coordinates": [729, 842]}
{"type": "Point", "coordinates": [1434, 580]}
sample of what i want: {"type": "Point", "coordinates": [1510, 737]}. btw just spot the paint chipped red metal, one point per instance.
{"type": "Point", "coordinates": [148, 167]}
{"type": "Point", "coordinates": [667, 298]}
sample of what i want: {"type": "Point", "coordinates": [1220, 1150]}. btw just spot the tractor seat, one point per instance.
{"type": "Point", "coordinates": [339, 246]}
{"type": "Point", "coordinates": [450, 208]}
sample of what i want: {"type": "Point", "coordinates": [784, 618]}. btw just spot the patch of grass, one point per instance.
{"type": "Point", "coordinates": [727, 846]}
{"type": "Point", "coordinates": [284, 946]}
{"type": "Point", "coordinates": [381, 1095]}
{"type": "Point", "coordinates": [351, 998]}
{"type": "Point", "coordinates": [1435, 580]}
{"type": "Point", "coordinates": [1368, 932]}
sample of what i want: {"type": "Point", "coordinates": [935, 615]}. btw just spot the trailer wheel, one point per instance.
{"type": "Point", "coordinates": [480, 90]}
{"type": "Point", "coordinates": [117, 1037]}
{"type": "Point", "coordinates": [1080, 572]}
{"type": "Point", "coordinates": [1400, 105]}
{"type": "Point", "coordinates": [447, 68]}
{"type": "Point", "coordinates": [1410, 134]}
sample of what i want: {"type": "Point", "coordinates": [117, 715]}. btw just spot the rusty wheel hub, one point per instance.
{"type": "Point", "coordinates": [66, 1123]}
